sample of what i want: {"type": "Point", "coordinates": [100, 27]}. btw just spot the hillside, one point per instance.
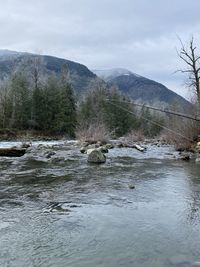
{"type": "Point", "coordinates": [10, 61]}
{"type": "Point", "coordinates": [141, 89]}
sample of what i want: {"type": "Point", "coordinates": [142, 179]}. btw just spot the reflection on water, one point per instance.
{"type": "Point", "coordinates": [60, 211]}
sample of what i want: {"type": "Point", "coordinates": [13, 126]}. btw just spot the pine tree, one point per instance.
{"type": "Point", "coordinates": [20, 98]}
{"type": "Point", "coordinates": [107, 106]}
{"type": "Point", "coordinates": [65, 119]}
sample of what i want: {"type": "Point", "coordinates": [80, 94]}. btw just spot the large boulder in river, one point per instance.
{"type": "Point", "coordinates": [96, 156]}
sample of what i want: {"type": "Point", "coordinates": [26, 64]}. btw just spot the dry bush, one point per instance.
{"type": "Point", "coordinates": [181, 134]}
{"type": "Point", "coordinates": [135, 136]}
{"type": "Point", "coordinates": [93, 132]}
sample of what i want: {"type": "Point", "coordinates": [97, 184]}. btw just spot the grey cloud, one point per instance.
{"type": "Point", "coordinates": [139, 35]}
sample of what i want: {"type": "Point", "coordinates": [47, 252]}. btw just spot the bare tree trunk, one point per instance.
{"type": "Point", "coordinates": [192, 61]}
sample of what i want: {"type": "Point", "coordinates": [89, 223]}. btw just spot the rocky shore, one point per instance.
{"type": "Point", "coordinates": [95, 152]}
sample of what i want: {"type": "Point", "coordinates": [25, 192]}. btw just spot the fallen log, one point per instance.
{"type": "Point", "coordinates": [140, 148]}
{"type": "Point", "coordinates": [12, 152]}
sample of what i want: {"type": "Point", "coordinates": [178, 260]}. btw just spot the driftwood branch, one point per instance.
{"type": "Point", "coordinates": [12, 152]}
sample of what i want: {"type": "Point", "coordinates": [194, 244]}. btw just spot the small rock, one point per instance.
{"type": "Point", "coordinates": [96, 156]}
{"type": "Point", "coordinates": [85, 144]}
{"type": "Point", "coordinates": [109, 146]}
{"type": "Point", "coordinates": [101, 143]}
{"type": "Point", "coordinates": [57, 160]}
{"type": "Point", "coordinates": [131, 187]}
{"type": "Point", "coordinates": [26, 145]}
{"type": "Point", "coordinates": [185, 156]}
{"type": "Point", "coordinates": [83, 150]}
{"type": "Point", "coordinates": [92, 146]}
{"type": "Point", "coordinates": [103, 149]}
{"type": "Point", "coordinates": [50, 154]}
{"type": "Point", "coordinates": [120, 145]}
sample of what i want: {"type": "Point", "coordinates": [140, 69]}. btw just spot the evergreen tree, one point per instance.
{"type": "Point", "coordinates": [120, 114]}
{"type": "Point", "coordinates": [107, 106]}
{"type": "Point", "coordinates": [65, 119]}
{"type": "Point", "coordinates": [38, 104]}
{"type": "Point", "coordinates": [20, 98]}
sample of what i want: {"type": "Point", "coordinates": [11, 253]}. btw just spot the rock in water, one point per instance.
{"type": "Point", "coordinates": [83, 150]}
{"type": "Point", "coordinates": [109, 146]}
{"type": "Point", "coordinates": [96, 156]}
{"type": "Point", "coordinates": [185, 156]}
{"type": "Point", "coordinates": [103, 149]}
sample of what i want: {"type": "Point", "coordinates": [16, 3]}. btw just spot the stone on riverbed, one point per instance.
{"type": "Point", "coordinates": [185, 156]}
{"type": "Point", "coordinates": [96, 156]}
{"type": "Point", "coordinates": [109, 146]}
{"type": "Point", "coordinates": [49, 154]}
{"type": "Point", "coordinates": [103, 149]}
{"type": "Point", "coordinates": [83, 150]}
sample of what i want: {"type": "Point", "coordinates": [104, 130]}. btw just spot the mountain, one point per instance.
{"type": "Point", "coordinates": [141, 89]}
{"type": "Point", "coordinates": [11, 61]}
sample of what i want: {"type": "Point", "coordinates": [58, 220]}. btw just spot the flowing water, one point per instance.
{"type": "Point", "coordinates": [58, 210]}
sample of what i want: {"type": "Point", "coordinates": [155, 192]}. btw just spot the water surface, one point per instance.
{"type": "Point", "coordinates": [58, 210]}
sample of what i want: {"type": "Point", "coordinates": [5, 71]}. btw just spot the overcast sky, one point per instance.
{"type": "Point", "coordinates": [138, 35]}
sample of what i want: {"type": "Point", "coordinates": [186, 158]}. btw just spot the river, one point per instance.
{"type": "Point", "coordinates": [137, 209]}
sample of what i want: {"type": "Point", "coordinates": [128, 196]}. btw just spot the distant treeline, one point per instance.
{"type": "Point", "coordinates": [108, 107]}
{"type": "Point", "coordinates": [50, 107]}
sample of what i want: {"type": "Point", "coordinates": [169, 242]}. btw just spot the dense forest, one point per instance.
{"type": "Point", "coordinates": [50, 107]}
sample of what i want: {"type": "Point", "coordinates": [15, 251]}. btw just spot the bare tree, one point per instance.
{"type": "Point", "coordinates": [191, 59]}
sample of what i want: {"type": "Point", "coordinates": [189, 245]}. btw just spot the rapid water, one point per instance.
{"type": "Point", "coordinates": [58, 210]}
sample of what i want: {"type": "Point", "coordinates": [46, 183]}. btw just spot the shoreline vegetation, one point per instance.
{"type": "Point", "coordinates": [34, 109]}
{"type": "Point", "coordinates": [91, 140]}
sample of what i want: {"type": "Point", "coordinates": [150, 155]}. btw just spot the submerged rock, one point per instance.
{"type": "Point", "coordinates": [50, 154]}
{"type": "Point", "coordinates": [109, 146]}
{"type": "Point", "coordinates": [57, 160]}
{"type": "Point", "coordinates": [96, 156]}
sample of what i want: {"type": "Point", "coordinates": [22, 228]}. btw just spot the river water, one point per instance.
{"type": "Point", "coordinates": [58, 210]}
